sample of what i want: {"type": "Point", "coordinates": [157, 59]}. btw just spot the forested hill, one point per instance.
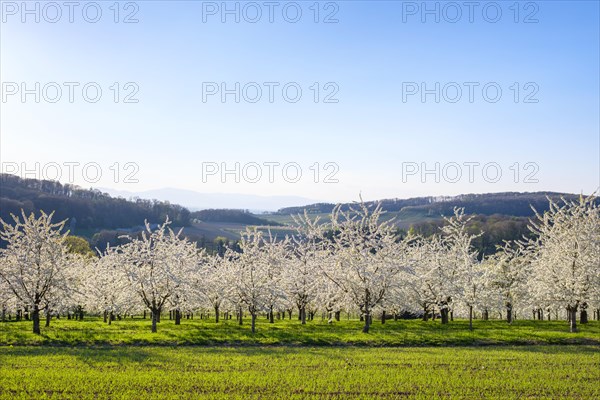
{"type": "Point", "coordinates": [85, 208]}
{"type": "Point", "coordinates": [507, 203]}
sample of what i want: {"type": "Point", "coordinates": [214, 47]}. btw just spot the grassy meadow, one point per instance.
{"type": "Point", "coordinates": [170, 372]}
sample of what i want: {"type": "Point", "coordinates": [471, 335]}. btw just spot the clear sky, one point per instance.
{"type": "Point", "coordinates": [372, 120]}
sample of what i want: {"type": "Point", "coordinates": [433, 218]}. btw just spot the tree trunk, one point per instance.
{"type": "Point", "coordinates": [154, 315]}
{"type": "Point", "coordinates": [470, 318]}
{"type": "Point", "coordinates": [444, 313]}
{"type": "Point", "coordinates": [425, 313]}
{"type": "Point", "coordinates": [253, 323]}
{"type": "Point", "coordinates": [110, 318]}
{"type": "Point", "coordinates": [509, 313]}
{"type": "Point", "coordinates": [367, 311]}
{"type": "Point", "coordinates": [573, 319]}
{"type": "Point", "coordinates": [583, 315]}
{"type": "Point", "coordinates": [48, 317]}
{"type": "Point", "coordinates": [177, 317]}
{"type": "Point", "coordinates": [35, 315]}
{"type": "Point", "coordinates": [271, 315]}
{"type": "Point", "coordinates": [367, 322]}
{"type": "Point", "coordinates": [485, 315]}
{"type": "Point", "coordinates": [383, 317]}
{"type": "Point", "coordinates": [303, 315]}
{"type": "Point", "coordinates": [216, 314]}
{"type": "Point", "coordinates": [241, 316]}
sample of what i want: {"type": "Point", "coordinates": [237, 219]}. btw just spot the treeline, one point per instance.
{"type": "Point", "coordinates": [231, 216]}
{"type": "Point", "coordinates": [85, 208]}
{"type": "Point", "coordinates": [493, 231]}
{"type": "Point", "coordinates": [507, 203]}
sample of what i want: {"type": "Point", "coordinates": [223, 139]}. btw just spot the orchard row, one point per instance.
{"type": "Point", "coordinates": [355, 262]}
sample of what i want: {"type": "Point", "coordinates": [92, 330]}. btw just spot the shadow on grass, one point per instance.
{"type": "Point", "coordinates": [413, 333]}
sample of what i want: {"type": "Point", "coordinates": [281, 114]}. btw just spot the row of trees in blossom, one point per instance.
{"type": "Point", "coordinates": [354, 262]}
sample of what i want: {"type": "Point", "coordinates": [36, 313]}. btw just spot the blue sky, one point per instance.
{"type": "Point", "coordinates": [371, 56]}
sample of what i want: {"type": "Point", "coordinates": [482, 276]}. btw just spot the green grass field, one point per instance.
{"type": "Point", "coordinates": [203, 359]}
{"type": "Point", "coordinates": [541, 372]}
{"type": "Point", "coordinates": [92, 331]}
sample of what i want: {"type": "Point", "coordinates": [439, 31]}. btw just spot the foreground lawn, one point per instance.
{"type": "Point", "coordinates": [131, 372]}
{"type": "Point", "coordinates": [92, 331]}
